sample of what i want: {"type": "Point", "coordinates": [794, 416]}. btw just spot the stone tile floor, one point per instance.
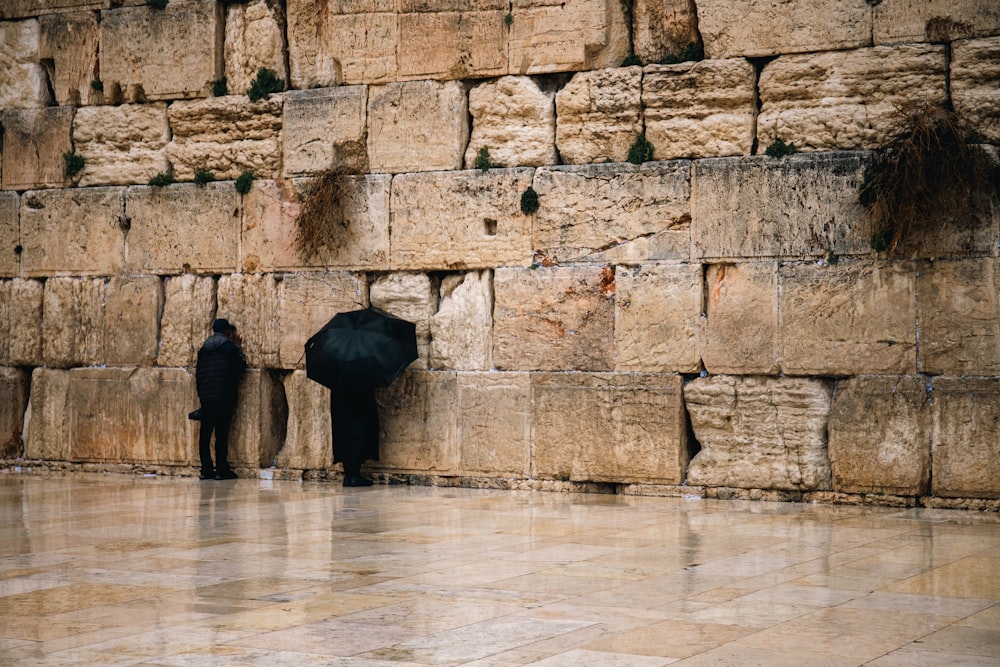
{"type": "Point", "coordinates": [116, 570]}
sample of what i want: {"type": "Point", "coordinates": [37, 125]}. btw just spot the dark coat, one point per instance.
{"type": "Point", "coordinates": [354, 418]}
{"type": "Point", "coordinates": [220, 366]}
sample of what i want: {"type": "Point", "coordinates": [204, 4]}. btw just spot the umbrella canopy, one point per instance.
{"type": "Point", "coordinates": [360, 349]}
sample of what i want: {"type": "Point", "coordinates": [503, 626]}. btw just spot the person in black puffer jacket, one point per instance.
{"type": "Point", "coordinates": [220, 367]}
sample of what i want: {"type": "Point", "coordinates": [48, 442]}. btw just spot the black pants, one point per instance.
{"type": "Point", "coordinates": [215, 419]}
{"type": "Point", "coordinates": [354, 418]}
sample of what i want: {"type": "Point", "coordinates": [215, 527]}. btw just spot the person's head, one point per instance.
{"type": "Point", "coordinates": [223, 326]}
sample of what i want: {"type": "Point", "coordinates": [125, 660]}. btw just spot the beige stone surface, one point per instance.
{"type": "Point", "coordinates": [34, 142]}
{"type": "Point", "coordinates": [460, 220]}
{"type": "Point", "coordinates": [759, 433]}
{"type": "Point", "coordinates": [740, 334]}
{"type": "Point", "coordinates": [617, 213]}
{"type": "Point", "coordinates": [847, 318]}
{"type": "Point", "coordinates": [847, 99]}
{"type": "Point", "coordinates": [417, 126]}
{"type": "Point", "coordinates": [73, 312]}
{"type": "Point", "coordinates": [325, 129]}
{"type": "Point", "coordinates": [699, 109]}
{"type": "Point", "coordinates": [22, 78]}
{"type": "Point", "coordinates": [446, 44]}
{"type": "Point", "coordinates": [515, 121]}
{"type": "Point", "coordinates": [933, 20]}
{"type": "Point", "coordinates": [68, 44]}
{"type": "Point", "coordinates": [252, 302]}
{"type": "Point", "coordinates": [802, 205]}
{"type": "Point", "coordinates": [254, 38]}
{"type": "Point", "coordinates": [494, 424]}
{"type": "Point", "coordinates": [966, 453]}
{"type": "Point", "coordinates": [132, 320]}
{"type": "Point", "coordinates": [14, 388]}
{"type": "Point", "coordinates": [557, 319]}
{"type": "Point", "coordinates": [662, 28]}
{"type": "Point", "coordinates": [188, 311]}
{"type": "Point", "coordinates": [181, 228]}
{"type": "Point", "coordinates": [409, 296]}
{"type": "Point", "coordinates": [226, 136]}
{"type": "Point", "coordinates": [46, 421]}
{"type": "Point", "coordinates": [306, 301]}
{"type": "Point", "coordinates": [607, 427]}
{"type": "Point", "coordinates": [21, 322]}
{"type": "Point", "coordinates": [308, 440]}
{"type": "Point", "coordinates": [773, 27]}
{"type": "Point", "coordinates": [461, 331]}
{"type": "Point", "coordinates": [975, 84]}
{"type": "Point", "coordinates": [880, 435]}
{"type": "Point", "coordinates": [122, 144]}
{"type": "Point", "coordinates": [658, 318]}
{"type": "Point", "coordinates": [144, 58]}
{"type": "Point", "coordinates": [419, 424]}
{"type": "Point", "coordinates": [598, 115]}
{"type": "Point", "coordinates": [259, 421]}
{"type": "Point", "coordinates": [13, 9]}
{"type": "Point", "coordinates": [557, 36]}
{"type": "Point", "coordinates": [10, 234]}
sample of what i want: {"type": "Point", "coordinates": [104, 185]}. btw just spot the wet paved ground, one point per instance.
{"type": "Point", "coordinates": [117, 570]}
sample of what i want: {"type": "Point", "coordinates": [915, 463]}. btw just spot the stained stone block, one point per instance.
{"type": "Point", "coordinates": [73, 313]}
{"type": "Point", "coordinates": [461, 331]}
{"type": "Point", "coordinates": [183, 228]}
{"type": "Point", "coordinates": [122, 144]}
{"type": "Point", "coordinates": [620, 213]}
{"type": "Point", "coordinates": [132, 320]}
{"type": "Point", "coordinates": [556, 36]}
{"type": "Point", "coordinates": [34, 142]}
{"type": "Point", "coordinates": [759, 433]}
{"type": "Point", "coordinates": [452, 45]}
{"type": "Point", "coordinates": [933, 20]}
{"type": "Point", "coordinates": [515, 121]}
{"type": "Point", "coordinates": [72, 231]}
{"type": "Point", "coordinates": [308, 444]}
{"type": "Point", "coordinates": [847, 319]}
{"type": "Point", "coordinates": [411, 297]}
{"type": "Point", "coordinates": [161, 54]}
{"type": "Point", "coordinates": [68, 42]}
{"type": "Point", "coordinates": [553, 319]}
{"type": "Point", "coordinates": [598, 115]}
{"type": "Point", "coordinates": [975, 84]}
{"type": "Point", "coordinates": [46, 423]}
{"type": "Point", "coordinates": [460, 220]}
{"type": "Point", "coordinates": [803, 205]}
{"type": "Point", "coordinates": [663, 27]}
{"type": "Point", "coordinates": [880, 434]}
{"type": "Point", "coordinates": [188, 311]}
{"type": "Point", "coordinates": [325, 129]}
{"type": "Point", "coordinates": [225, 136]}
{"type": "Point", "coordinates": [847, 99]}
{"type": "Point", "coordinates": [306, 301]}
{"type": "Point", "coordinates": [420, 424]}
{"type": "Point", "coordinates": [10, 234]}
{"type": "Point", "coordinates": [700, 109]}
{"type": "Point", "coordinates": [14, 9]}
{"type": "Point", "coordinates": [606, 427]}
{"type": "Point", "coordinates": [255, 38]}
{"type": "Point", "coordinates": [494, 424]}
{"type": "Point", "coordinates": [417, 126]}
{"type": "Point", "coordinates": [658, 318]}
{"type": "Point", "coordinates": [252, 303]}
{"type": "Point", "coordinates": [966, 453]}
{"type": "Point", "coordinates": [21, 322]}
{"type": "Point", "coordinates": [23, 84]}
{"type": "Point", "coordinates": [741, 331]}
{"type": "Point", "coordinates": [259, 422]}
{"type": "Point", "coordinates": [14, 389]}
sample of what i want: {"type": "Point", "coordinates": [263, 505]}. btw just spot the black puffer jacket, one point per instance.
{"type": "Point", "coordinates": [220, 365]}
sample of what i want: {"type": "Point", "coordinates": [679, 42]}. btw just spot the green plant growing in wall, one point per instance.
{"type": "Point", "coordinates": [779, 149]}
{"type": "Point", "coordinates": [265, 83]}
{"type": "Point", "coordinates": [508, 20]}
{"type": "Point", "coordinates": [529, 201]}
{"type": "Point", "coordinates": [631, 60]}
{"type": "Point", "coordinates": [243, 182]}
{"type": "Point", "coordinates": [691, 52]}
{"type": "Point", "coordinates": [220, 88]}
{"type": "Point", "coordinates": [203, 177]}
{"type": "Point", "coordinates": [641, 150]}
{"type": "Point", "coordinates": [162, 179]}
{"type": "Point", "coordinates": [97, 85]}
{"type": "Point", "coordinates": [483, 161]}
{"type": "Point", "coordinates": [157, 4]}
{"type": "Point", "coordinates": [73, 163]}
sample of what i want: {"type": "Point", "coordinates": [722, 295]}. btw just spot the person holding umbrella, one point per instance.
{"type": "Point", "coordinates": [217, 375]}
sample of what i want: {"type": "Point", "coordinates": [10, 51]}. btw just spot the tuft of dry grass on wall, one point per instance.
{"type": "Point", "coordinates": [323, 219]}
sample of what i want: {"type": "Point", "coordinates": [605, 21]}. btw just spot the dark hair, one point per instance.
{"type": "Point", "coordinates": [222, 326]}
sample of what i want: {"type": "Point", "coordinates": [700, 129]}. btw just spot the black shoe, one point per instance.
{"type": "Point", "coordinates": [207, 474]}
{"type": "Point", "coordinates": [226, 474]}
{"type": "Point", "coordinates": [352, 480]}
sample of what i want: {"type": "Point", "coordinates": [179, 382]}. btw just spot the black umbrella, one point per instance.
{"type": "Point", "coordinates": [360, 349]}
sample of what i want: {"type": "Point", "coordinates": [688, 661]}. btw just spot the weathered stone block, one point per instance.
{"type": "Point", "coordinates": [34, 142]}
{"type": "Point", "coordinates": [325, 129]}
{"type": "Point", "coordinates": [880, 435]}
{"type": "Point", "coordinates": [515, 121]}
{"type": "Point", "coordinates": [306, 301]}
{"type": "Point", "coordinates": [188, 309]}
{"type": "Point", "coordinates": [21, 322]}
{"type": "Point", "coordinates": [46, 424]}
{"type": "Point", "coordinates": [251, 302]}
{"type": "Point", "coordinates": [554, 319]}
{"type": "Point", "coordinates": [122, 144]}
{"type": "Point", "coordinates": [663, 28]}
{"type": "Point", "coordinates": [452, 44]}
{"type": "Point", "coordinates": [14, 9]}
{"type": "Point", "coordinates": [417, 126]}
{"type": "Point", "coordinates": [23, 83]}
{"type": "Point", "coordinates": [461, 331]}
{"type": "Point", "coordinates": [73, 313]}
{"type": "Point", "coordinates": [621, 213]}
{"type": "Point", "coordinates": [419, 423]}
{"type": "Point", "coordinates": [606, 427]}
{"type": "Point", "coordinates": [494, 424]}
{"type": "Point", "coordinates": [460, 220]}
{"type": "Point", "coordinates": [72, 231]}
{"type": "Point", "coordinates": [411, 297]}
{"type": "Point", "coordinates": [803, 205]}
{"type": "Point", "coordinates": [760, 433]}
{"type": "Point", "coordinates": [556, 36]}
{"type": "Point", "coordinates": [933, 20]}
{"type": "Point", "coordinates": [658, 318]}
{"type": "Point", "coordinates": [975, 84]}
{"type": "Point", "coordinates": [308, 444]}
{"type": "Point", "coordinates": [182, 228]}
{"type": "Point", "coordinates": [13, 401]}
{"type": "Point", "coordinates": [226, 136]}
{"type": "Point", "coordinates": [161, 54]}
{"type": "Point", "coordinates": [10, 234]}
{"type": "Point", "coordinates": [132, 320]}
{"type": "Point", "coordinates": [966, 453]}
{"type": "Point", "coordinates": [847, 319]}
{"type": "Point", "coordinates": [68, 43]}
{"type": "Point", "coordinates": [255, 38]}
{"type": "Point", "coordinates": [259, 422]}
{"type": "Point", "coordinates": [740, 335]}
{"type": "Point", "coordinates": [847, 99]}
{"type": "Point", "coordinates": [599, 115]}
{"type": "Point", "coordinates": [700, 109]}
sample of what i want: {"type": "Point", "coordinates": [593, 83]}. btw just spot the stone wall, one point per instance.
{"type": "Point", "coordinates": [712, 321]}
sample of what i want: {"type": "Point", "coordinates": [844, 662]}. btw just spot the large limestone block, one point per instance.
{"type": "Point", "coordinates": [21, 322]}
{"type": "Point", "coordinates": [73, 315]}
{"type": "Point", "coordinates": [308, 444]}
{"type": "Point", "coordinates": [515, 121]}
{"type": "Point", "coordinates": [409, 296]}
{"type": "Point", "coordinates": [663, 28]}
{"type": "Point", "coordinates": [417, 126]}
{"type": "Point", "coordinates": [34, 142]}
{"type": "Point", "coordinates": [606, 427]}
{"type": "Point", "coordinates": [14, 390]}
{"type": "Point", "coordinates": [10, 234]}
{"type": "Point", "coordinates": [182, 228]}
{"type": "Point", "coordinates": [975, 84]}
{"type": "Point", "coordinates": [803, 205]}
{"type": "Point", "coordinates": [598, 115]}
{"type": "Point", "coordinates": [226, 136]}
{"type": "Point", "coordinates": [306, 301]}
{"type": "Point", "coordinates": [122, 144]}
{"type": "Point", "coordinates": [132, 320]}
{"type": "Point", "coordinates": [452, 44]}
{"type": "Point", "coordinates": [847, 99]}
{"type": "Point", "coordinates": [23, 84]}
{"type": "Point", "coordinates": [494, 424]}
{"type": "Point", "coordinates": [966, 453]}
{"type": "Point", "coordinates": [259, 421]}
{"type": "Point", "coordinates": [658, 318]}
{"type": "Point", "coordinates": [68, 44]}
{"type": "Point", "coordinates": [419, 424]}
{"type": "Point", "coordinates": [72, 231]}
{"type": "Point", "coordinates": [700, 109]}
{"type": "Point", "coordinates": [557, 36]}
{"type": "Point", "coordinates": [933, 20]}
{"type": "Point", "coordinates": [847, 318]}
{"type": "Point", "coordinates": [162, 54]}
{"type": "Point", "coordinates": [46, 424]}
{"type": "Point", "coordinates": [618, 213]}
{"type": "Point", "coordinates": [255, 38]}
{"type": "Point", "coordinates": [188, 309]}
{"type": "Point", "coordinates": [880, 435]}
{"type": "Point", "coordinates": [740, 333]}
{"type": "Point", "coordinates": [760, 433]}
{"type": "Point", "coordinates": [554, 319]}
{"type": "Point", "coordinates": [325, 129]}
{"type": "Point", "coordinates": [13, 9]}
{"type": "Point", "coordinates": [774, 27]}
{"type": "Point", "coordinates": [461, 331]}
{"type": "Point", "coordinates": [460, 220]}
{"type": "Point", "coordinates": [251, 302]}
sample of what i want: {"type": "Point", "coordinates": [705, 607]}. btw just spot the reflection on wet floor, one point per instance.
{"type": "Point", "coordinates": [115, 570]}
